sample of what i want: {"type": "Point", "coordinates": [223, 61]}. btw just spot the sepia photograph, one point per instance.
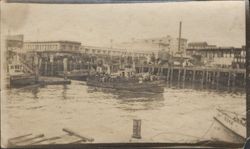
{"type": "Point", "coordinates": [168, 74]}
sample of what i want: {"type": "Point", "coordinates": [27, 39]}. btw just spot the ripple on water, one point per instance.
{"type": "Point", "coordinates": [111, 112]}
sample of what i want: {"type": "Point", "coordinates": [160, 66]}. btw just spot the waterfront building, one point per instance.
{"type": "Point", "coordinates": [52, 46]}
{"type": "Point", "coordinates": [14, 42]}
{"type": "Point", "coordinates": [121, 52]}
{"type": "Point", "coordinates": [220, 56]}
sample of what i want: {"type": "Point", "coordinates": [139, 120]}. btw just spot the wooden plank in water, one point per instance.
{"type": "Point", "coordinates": [29, 142]}
{"type": "Point", "coordinates": [26, 139]}
{"type": "Point", "coordinates": [78, 135]}
{"type": "Point", "coordinates": [19, 137]}
{"type": "Point", "coordinates": [66, 139]}
{"type": "Point", "coordinates": [45, 141]}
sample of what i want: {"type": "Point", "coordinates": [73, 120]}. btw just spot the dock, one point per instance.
{"type": "Point", "coordinates": [202, 75]}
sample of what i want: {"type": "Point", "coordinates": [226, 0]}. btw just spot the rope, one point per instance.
{"type": "Point", "coordinates": [208, 130]}
{"type": "Point", "coordinates": [200, 138]}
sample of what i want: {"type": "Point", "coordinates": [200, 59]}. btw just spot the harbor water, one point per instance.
{"type": "Point", "coordinates": [177, 115]}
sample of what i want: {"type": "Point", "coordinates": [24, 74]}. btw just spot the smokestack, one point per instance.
{"type": "Point", "coordinates": [179, 44]}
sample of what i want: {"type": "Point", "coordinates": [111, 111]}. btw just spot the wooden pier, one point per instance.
{"type": "Point", "coordinates": [78, 65]}
{"type": "Point", "coordinates": [202, 75]}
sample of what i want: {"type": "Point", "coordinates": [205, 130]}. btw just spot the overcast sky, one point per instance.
{"type": "Point", "coordinates": [220, 23]}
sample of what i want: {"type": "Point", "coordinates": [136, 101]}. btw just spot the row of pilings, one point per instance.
{"type": "Point", "coordinates": [203, 76]}
{"type": "Point", "coordinates": [52, 66]}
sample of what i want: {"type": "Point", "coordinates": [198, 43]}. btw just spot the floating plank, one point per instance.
{"type": "Point", "coordinates": [45, 141]}
{"type": "Point", "coordinates": [78, 135]}
{"type": "Point", "coordinates": [15, 142]}
{"type": "Point", "coordinates": [67, 139]}
{"type": "Point", "coordinates": [29, 142]}
{"type": "Point", "coordinates": [19, 137]}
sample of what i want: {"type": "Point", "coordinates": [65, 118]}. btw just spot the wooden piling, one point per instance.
{"type": "Point", "coordinates": [136, 129]}
{"type": "Point", "coordinates": [46, 68]}
{"type": "Point", "coordinates": [168, 74]}
{"type": "Point", "coordinates": [193, 78]}
{"type": "Point", "coordinates": [179, 75]}
{"type": "Point", "coordinates": [244, 81]}
{"type": "Point", "coordinates": [213, 77]}
{"type": "Point", "coordinates": [229, 79]}
{"type": "Point", "coordinates": [184, 75]}
{"type": "Point", "coordinates": [172, 73]}
{"type": "Point", "coordinates": [234, 78]}
{"type": "Point", "coordinates": [203, 75]}
{"type": "Point", "coordinates": [217, 79]}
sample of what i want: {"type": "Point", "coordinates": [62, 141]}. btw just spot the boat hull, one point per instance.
{"type": "Point", "coordinates": [22, 80]}
{"type": "Point", "coordinates": [149, 87]}
{"type": "Point", "coordinates": [227, 129]}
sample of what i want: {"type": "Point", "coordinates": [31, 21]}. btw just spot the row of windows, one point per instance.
{"type": "Point", "coordinates": [41, 46]}
{"type": "Point", "coordinates": [240, 60]}
{"type": "Point", "coordinates": [95, 51]}
{"type": "Point", "coordinates": [50, 46]}
{"type": "Point", "coordinates": [220, 54]}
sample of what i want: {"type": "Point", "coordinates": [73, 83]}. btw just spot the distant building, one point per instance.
{"type": "Point", "coordinates": [200, 45]}
{"type": "Point", "coordinates": [221, 56]}
{"type": "Point", "coordinates": [92, 50]}
{"type": "Point", "coordinates": [167, 43]}
{"type": "Point", "coordinates": [52, 46]}
{"type": "Point", "coordinates": [14, 41]}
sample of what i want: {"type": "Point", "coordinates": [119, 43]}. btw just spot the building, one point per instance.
{"type": "Point", "coordinates": [92, 50]}
{"type": "Point", "coordinates": [167, 43]}
{"type": "Point", "coordinates": [221, 56]}
{"type": "Point", "coordinates": [52, 46]}
{"type": "Point", "coordinates": [14, 41]}
{"type": "Point", "coordinates": [200, 45]}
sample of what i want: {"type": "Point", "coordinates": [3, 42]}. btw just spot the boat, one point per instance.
{"type": "Point", "coordinates": [18, 77]}
{"type": "Point", "coordinates": [80, 75]}
{"type": "Point", "coordinates": [126, 79]}
{"type": "Point", "coordinates": [229, 126]}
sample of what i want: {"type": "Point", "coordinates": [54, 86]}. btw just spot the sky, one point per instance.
{"type": "Point", "coordinates": [216, 22]}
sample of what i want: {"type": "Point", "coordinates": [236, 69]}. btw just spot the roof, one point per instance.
{"type": "Point", "coordinates": [58, 41]}
{"type": "Point", "coordinates": [197, 44]}
{"type": "Point", "coordinates": [14, 37]}
{"type": "Point", "coordinates": [215, 49]}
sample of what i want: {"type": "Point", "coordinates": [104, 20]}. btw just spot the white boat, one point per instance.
{"type": "Point", "coordinates": [18, 76]}
{"type": "Point", "coordinates": [229, 126]}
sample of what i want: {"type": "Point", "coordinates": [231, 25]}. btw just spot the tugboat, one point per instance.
{"type": "Point", "coordinates": [230, 126]}
{"type": "Point", "coordinates": [126, 79]}
{"type": "Point", "coordinates": [17, 75]}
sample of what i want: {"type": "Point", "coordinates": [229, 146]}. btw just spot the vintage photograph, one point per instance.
{"type": "Point", "coordinates": [171, 72]}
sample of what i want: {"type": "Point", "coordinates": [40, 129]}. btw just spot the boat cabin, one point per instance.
{"type": "Point", "coordinates": [126, 72]}
{"type": "Point", "coordinates": [15, 69]}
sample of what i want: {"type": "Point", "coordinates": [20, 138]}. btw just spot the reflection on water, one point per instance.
{"type": "Point", "coordinates": [178, 114]}
{"type": "Point", "coordinates": [64, 92]}
{"type": "Point", "coordinates": [127, 99]}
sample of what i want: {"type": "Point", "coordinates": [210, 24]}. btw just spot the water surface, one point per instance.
{"type": "Point", "coordinates": [177, 115]}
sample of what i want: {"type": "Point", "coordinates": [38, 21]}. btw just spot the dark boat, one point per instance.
{"type": "Point", "coordinates": [151, 87]}
{"type": "Point", "coordinates": [80, 75]}
{"type": "Point", "coordinates": [22, 80]}
{"type": "Point", "coordinates": [126, 80]}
